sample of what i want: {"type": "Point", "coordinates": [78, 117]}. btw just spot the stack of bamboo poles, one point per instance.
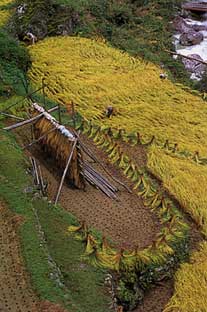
{"type": "Point", "coordinates": [38, 178]}
{"type": "Point", "coordinates": [96, 179]}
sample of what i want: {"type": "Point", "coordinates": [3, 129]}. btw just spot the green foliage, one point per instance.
{"type": "Point", "coordinates": [129, 295]}
{"type": "Point", "coordinates": [14, 62]}
{"type": "Point", "coordinates": [84, 281]}
{"type": "Point", "coordinates": [138, 27]}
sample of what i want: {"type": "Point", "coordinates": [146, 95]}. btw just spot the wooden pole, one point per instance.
{"type": "Point", "coordinates": [92, 156]}
{"type": "Point", "coordinates": [39, 139]}
{"type": "Point", "coordinates": [59, 113]}
{"type": "Point", "coordinates": [28, 121]}
{"type": "Point", "coordinates": [65, 171]}
{"type": "Point", "coordinates": [43, 92]}
{"type": "Point", "coordinates": [187, 57]}
{"type": "Point", "coordinates": [42, 185]}
{"type": "Point", "coordinates": [11, 116]}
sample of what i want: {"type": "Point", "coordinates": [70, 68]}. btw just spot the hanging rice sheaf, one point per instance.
{"type": "Point", "coordinates": [59, 144]}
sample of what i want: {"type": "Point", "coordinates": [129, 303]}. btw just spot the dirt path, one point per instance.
{"type": "Point", "coordinates": [16, 294]}
{"type": "Point", "coordinates": [156, 299]}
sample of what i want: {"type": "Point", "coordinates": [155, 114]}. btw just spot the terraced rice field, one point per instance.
{"type": "Point", "coordinates": [94, 76]}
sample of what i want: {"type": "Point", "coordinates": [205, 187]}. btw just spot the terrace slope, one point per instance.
{"type": "Point", "coordinates": [186, 180]}
{"type": "Point", "coordinates": [94, 75]}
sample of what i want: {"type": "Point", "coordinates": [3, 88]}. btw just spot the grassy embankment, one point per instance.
{"type": "Point", "coordinates": [96, 76]}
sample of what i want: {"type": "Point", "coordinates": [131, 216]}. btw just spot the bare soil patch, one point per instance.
{"type": "Point", "coordinates": [47, 306]}
{"type": "Point", "coordinates": [16, 294]}
{"type": "Point", "coordinates": [156, 298]}
{"type": "Point", "coordinates": [126, 221]}
{"type": "Point", "coordinates": [137, 153]}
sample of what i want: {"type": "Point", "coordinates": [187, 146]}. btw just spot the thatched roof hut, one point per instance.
{"type": "Point", "coordinates": [58, 142]}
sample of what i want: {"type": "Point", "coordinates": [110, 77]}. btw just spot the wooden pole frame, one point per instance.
{"type": "Point", "coordinates": [31, 120]}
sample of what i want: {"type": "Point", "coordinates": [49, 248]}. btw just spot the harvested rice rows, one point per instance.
{"type": "Point", "coordinates": [15, 292]}
{"type": "Point", "coordinates": [180, 171]}
{"type": "Point", "coordinates": [185, 180]}
{"type": "Point", "coordinates": [95, 75]}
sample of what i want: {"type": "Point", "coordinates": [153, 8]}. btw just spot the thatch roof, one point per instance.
{"type": "Point", "coordinates": [58, 144]}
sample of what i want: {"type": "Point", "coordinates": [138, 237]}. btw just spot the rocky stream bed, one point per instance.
{"type": "Point", "coordinates": [190, 40]}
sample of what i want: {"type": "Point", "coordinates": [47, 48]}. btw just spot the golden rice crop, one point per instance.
{"type": "Point", "coordinates": [95, 75]}
{"type": "Point", "coordinates": [190, 285]}
{"type": "Point", "coordinates": [185, 179]}
{"type": "Point", "coordinates": [4, 13]}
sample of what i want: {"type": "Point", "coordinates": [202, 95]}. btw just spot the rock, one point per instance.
{"type": "Point", "coordinates": [191, 37]}
{"type": "Point", "coordinates": [199, 27]}
{"type": "Point", "coordinates": [28, 190]}
{"type": "Point", "coordinates": [180, 25]}
{"type": "Point", "coordinates": [194, 66]}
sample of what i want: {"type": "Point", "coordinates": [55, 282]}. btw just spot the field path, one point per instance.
{"type": "Point", "coordinates": [16, 294]}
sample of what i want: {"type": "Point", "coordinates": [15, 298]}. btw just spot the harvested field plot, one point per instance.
{"type": "Point", "coordinates": [15, 292]}
{"type": "Point", "coordinates": [126, 221]}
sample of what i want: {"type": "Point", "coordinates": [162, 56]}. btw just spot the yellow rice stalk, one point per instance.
{"type": "Point", "coordinates": [91, 245]}
{"type": "Point", "coordinates": [73, 228]}
{"type": "Point", "coordinates": [109, 261]}
{"type": "Point", "coordinates": [185, 180]}
{"type": "Point", "coordinates": [95, 75]}
{"type": "Point", "coordinates": [4, 13]}
{"type": "Point", "coordinates": [190, 285]}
